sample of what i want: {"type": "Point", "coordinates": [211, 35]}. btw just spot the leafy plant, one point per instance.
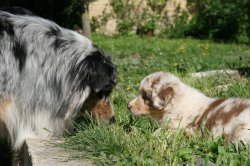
{"type": "Point", "coordinates": [124, 12]}
{"type": "Point", "coordinates": [180, 25]}
{"type": "Point", "coordinates": [133, 15]}
{"type": "Point", "coordinates": [157, 6]}
{"type": "Point", "coordinates": [147, 24]}
{"type": "Point", "coordinates": [217, 19]}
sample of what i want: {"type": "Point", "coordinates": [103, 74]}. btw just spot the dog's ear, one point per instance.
{"type": "Point", "coordinates": [165, 94]}
{"type": "Point", "coordinates": [98, 72]}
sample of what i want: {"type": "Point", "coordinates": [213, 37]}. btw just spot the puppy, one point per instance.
{"type": "Point", "coordinates": [49, 75]}
{"type": "Point", "coordinates": [164, 97]}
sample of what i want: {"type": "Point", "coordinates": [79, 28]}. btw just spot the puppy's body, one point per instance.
{"type": "Point", "coordinates": [166, 99]}
{"type": "Point", "coordinates": [46, 75]}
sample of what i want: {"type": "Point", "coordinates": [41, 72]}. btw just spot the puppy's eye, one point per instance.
{"type": "Point", "coordinates": [147, 102]}
{"type": "Point", "coordinates": [145, 97]}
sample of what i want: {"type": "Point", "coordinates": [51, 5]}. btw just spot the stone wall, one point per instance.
{"type": "Point", "coordinates": [100, 8]}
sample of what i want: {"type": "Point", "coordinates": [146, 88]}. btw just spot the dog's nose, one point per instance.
{"type": "Point", "coordinates": [112, 120]}
{"type": "Point", "coordinates": [129, 106]}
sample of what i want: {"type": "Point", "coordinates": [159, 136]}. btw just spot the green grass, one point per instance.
{"type": "Point", "coordinates": [131, 141]}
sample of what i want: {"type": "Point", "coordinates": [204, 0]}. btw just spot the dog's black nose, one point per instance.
{"type": "Point", "coordinates": [112, 120]}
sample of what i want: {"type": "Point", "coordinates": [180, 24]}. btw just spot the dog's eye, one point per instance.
{"type": "Point", "coordinates": [108, 88]}
{"type": "Point", "coordinates": [107, 92]}
{"type": "Point", "coordinates": [104, 93]}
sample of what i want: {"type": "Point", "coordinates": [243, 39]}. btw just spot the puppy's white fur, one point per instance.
{"type": "Point", "coordinates": [166, 99]}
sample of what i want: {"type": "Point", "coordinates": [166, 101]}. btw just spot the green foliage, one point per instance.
{"type": "Point", "coordinates": [218, 19]}
{"type": "Point", "coordinates": [72, 13]}
{"type": "Point", "coordinates": [125, 26]}
{"type": "Point", "coordinates": [179, 27]}
{"type": "Point", "coordinates": [129, 15]}
{"type": "Point", "coordinates": [208, 19]}
{"type": "Point", "coordinates": [95, 24]}
{"type": "Point", "coordinates": [157, 6]}
{"type": "Point", "coordinates": [148, 24]}
{"type": "Point", "coordinates": [136, 141]}
{"type": "Point", "coordinates": [125, 13]}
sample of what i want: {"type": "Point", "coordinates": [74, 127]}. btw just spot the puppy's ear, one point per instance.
{"type": "Point", "coordinates": [98, 72]}
{"type": "Point", "coordinates": [166, 94]}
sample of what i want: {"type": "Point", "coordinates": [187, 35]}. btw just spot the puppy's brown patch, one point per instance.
{"type": "Point", "coordinates": [235, 111]}
{"type": "Point", "coordinates": [225, 116]}
{"type": "Point", "coordinates": [166, 92]}
{"type": "Point", "coordinates": [156, 114]}
{"type": "Point", "coordinates": [212, 106]}
{"type": "Point", "coordinates": [211, 121]}
{"type": "Point", "coordinates": [155, 81]}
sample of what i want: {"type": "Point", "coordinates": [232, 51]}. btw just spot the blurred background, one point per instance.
{"type": "Point", "coordinates": [226, 20]}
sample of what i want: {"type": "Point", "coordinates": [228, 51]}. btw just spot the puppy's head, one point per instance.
{"type": "Point", "coordinates": [99, 74]}
{"type": "Point", "coordinates": [157, 93]}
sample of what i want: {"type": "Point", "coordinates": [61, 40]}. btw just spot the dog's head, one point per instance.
{"type": "Point", "coordinates": [99, 74]}
{"type": "Point", "coordinates": [157, 93]}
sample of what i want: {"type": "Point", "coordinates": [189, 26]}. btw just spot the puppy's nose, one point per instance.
{"type": "Point", "coordinates": [129, 106]}
{"type": "Point", "coordinates": [112, 120]}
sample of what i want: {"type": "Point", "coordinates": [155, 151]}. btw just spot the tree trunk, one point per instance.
{"type": "Point", "coordinates": [86, 28]}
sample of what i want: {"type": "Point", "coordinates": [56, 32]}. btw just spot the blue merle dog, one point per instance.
{"type": "Point", "coordinates": [49, 76]}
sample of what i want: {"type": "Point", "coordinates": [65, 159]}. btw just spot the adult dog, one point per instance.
{"type": "Point", "coordinates": [165, 98]}
{"type": "Point", "coordinates": [48, 76]}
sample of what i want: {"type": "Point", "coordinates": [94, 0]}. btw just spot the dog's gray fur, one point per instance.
{"type": "Point", "coordinates": [46, 74]}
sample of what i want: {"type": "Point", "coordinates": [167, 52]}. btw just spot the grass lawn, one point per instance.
{"type": "Point", "coordinates": [131, 141]}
